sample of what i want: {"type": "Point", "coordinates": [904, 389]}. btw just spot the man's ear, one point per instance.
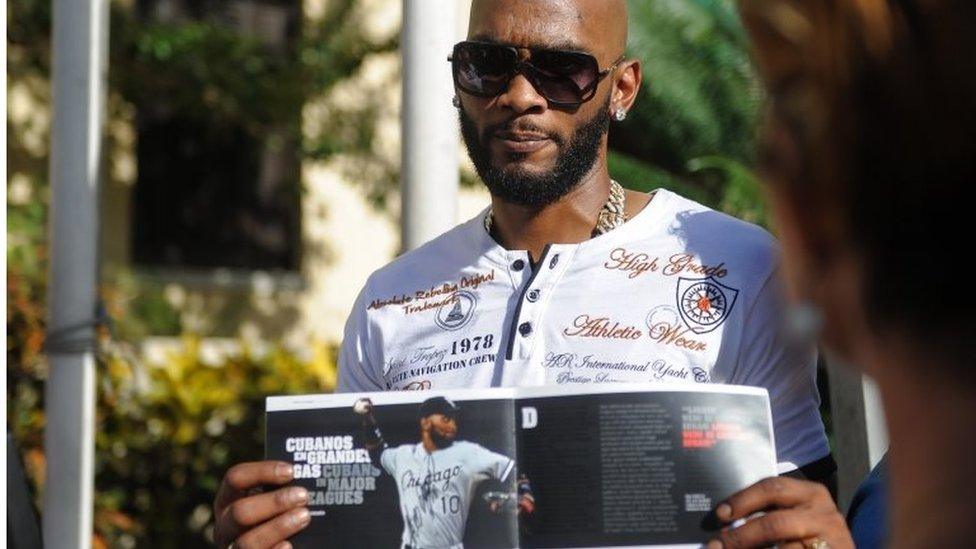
{"type": "Point", "coordinates": [425, 423]}
{"type": "Point", "coordinates": [626, 85]}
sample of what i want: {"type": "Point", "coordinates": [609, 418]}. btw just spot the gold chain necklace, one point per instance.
{"type": "Point", "coordinates": [611, 215]}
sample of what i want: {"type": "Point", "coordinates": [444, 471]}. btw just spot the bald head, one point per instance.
{"type": "Point", "coordinates": [595, 26]}
{"type": "Point", "coordinates": [539, 135]}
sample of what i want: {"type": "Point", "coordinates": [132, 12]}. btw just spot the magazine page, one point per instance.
{"type": "Point", "coordinates": [626, 465]}
{"type": "Point", "coordinates": [404, 469]}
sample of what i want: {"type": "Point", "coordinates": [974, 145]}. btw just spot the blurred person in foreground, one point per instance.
{"type": "Point", "coordinates": [869, 156]}
{"type": "Point", "coordinates": [567, 278]}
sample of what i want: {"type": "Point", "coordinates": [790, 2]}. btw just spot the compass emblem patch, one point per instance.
{"type": "Point", "coordinates": [704, 303]}
{"type": "Point", "coordinates": [455, 313]}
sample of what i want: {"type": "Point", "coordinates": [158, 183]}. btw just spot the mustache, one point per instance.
{"type": "Point", "coordinates": [517, 125]}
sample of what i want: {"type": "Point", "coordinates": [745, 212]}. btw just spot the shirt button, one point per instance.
{"type": "Point", "coordinates": [518, 265]}
{"type": "Point", "coordinates": [553, 261]}
{"type": "Point", "coordinates": [525, 328]}
{"type": "Point", "coordinates": [533, 296]}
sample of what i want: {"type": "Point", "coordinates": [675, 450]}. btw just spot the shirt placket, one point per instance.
{"type": "Point", "coordinates": [525, 330]}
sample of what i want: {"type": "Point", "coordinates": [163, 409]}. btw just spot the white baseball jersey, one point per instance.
{"type": "Point", "coordinates": [679, 293]}
{"type": "Point", "coordinates": [436, 488]}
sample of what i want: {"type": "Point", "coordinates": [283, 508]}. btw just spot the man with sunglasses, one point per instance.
{"type": "Point", "coordinates": [567, 278]}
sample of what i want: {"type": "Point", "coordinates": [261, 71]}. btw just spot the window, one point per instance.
{"type": "Point", "coordinates": [217, 186]}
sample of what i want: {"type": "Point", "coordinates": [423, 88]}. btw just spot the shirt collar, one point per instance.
{"type": "Point", "coordinates": [652, 218]}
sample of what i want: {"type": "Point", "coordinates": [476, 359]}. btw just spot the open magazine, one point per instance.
{"type": "Point", "coordinates": [607, 466]}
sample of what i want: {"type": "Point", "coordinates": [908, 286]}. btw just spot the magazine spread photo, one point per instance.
{"type": "Point", "coordinates": [602, 466]}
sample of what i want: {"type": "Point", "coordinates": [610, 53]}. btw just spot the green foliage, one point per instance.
{"type": "Point", "coordinates": [29, 24]}
{"type": "Point", "coordinates": [699, 100]}
{"type": "Point", "coordinates": [645, 177]}
{"type": "Point", "coordinates": [741, 195]}
{"type": "Point", "coordinates": [166, 432]}
{"type": "Point", "coordinates": [220, 79]}
{"type": "Point", "coordinates": [164, 441]}
{"type": "Point", "coordinates": [698, 96]}
{"type": "Point", "coordinates": [210, 72]}
{"type": "Point", "coordinates": [205, 72]}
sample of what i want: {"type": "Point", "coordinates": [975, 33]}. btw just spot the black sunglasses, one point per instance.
{"type": "Point", "coordinates": [564, 78]}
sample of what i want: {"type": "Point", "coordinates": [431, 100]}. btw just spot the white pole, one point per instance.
{"type": "Point", "coordinates": [79, 70]}
{"type": "Point", "coordinates": [429, 122]}
{"type": "Point", "coordinates": [860, 434]}
{"type": "Point", "coordinates": [874, 421]}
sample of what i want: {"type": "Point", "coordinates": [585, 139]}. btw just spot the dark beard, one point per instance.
{"type": "Point", "coordinates": [439, 441]}
{"type": "Point", "coordinates": [537, 190]}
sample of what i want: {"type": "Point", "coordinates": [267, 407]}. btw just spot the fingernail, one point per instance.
{"type": "Point", "coordinates": [724, 512]}
{"type": "Point", "coordinates": [714, 544]}
{"type": "Point", "coordinates": [301, 517]}
{"type": "Point", "coordinates": [284, 470]}
{"type": "Point", "coordinates": [298, 495]}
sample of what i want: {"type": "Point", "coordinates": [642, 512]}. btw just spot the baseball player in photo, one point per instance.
{"type": "Point", "coordinates": [436, 478]}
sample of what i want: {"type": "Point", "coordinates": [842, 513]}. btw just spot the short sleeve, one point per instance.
{"type": "Point", "coordinates": [357, 373]}
{"type": "Point", "coordinates": [771, 357]}
{"type": "Point", "coordinates": [490, 464]}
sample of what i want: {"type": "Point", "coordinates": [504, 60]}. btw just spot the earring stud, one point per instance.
{"type": "Point", "coordinates": [457, 102]}
{"type": "Point", "coordinates": [620, 115]}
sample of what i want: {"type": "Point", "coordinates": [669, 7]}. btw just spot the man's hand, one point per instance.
{"type": "Point", "coordinates": [798, 514]}
{"type": "Point", "coordinates": [247, 518]}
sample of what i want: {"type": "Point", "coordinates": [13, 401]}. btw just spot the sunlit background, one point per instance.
{"type": "Point", "coordinates": [250, 188]}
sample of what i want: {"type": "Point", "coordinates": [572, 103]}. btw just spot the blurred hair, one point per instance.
{"type": "Point", "coordinates": [877, 100]}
